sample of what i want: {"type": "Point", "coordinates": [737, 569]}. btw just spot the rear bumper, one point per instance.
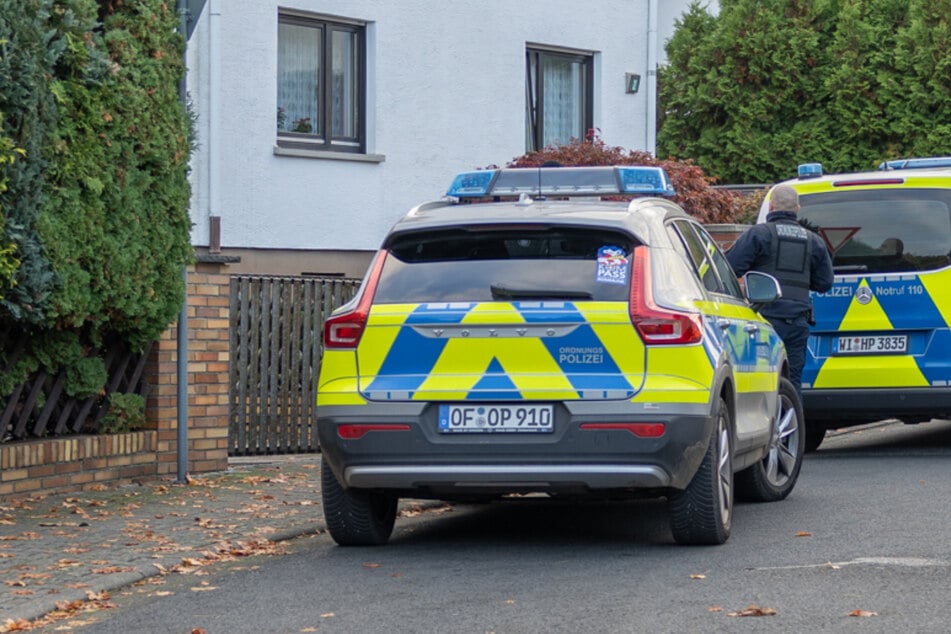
{"type": "Point", "coordinates": [854, 406]}
{"type": "Point", "coordinates": [423, 462]}
{"type": "Point", "coordinates": [506, 476]}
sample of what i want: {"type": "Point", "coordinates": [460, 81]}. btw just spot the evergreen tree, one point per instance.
{"type": "Point", "coordinates": [768, 84]}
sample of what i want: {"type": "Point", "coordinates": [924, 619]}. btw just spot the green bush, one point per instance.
{"type": "Point", "coordinates": [96, 208]}
{"type": "Point", "coordinates": [8, 260]}
{"type": "Point", "coordinates": [126, 413]}
{"type": "Point", "coordinates": [769, 84]}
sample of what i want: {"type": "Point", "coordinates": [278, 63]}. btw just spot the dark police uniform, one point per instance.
{"type": "Point", "coordinates": [798, 258]}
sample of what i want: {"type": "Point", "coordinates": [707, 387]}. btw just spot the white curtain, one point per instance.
{"type": "Point", "coordinates": [298, 78]}
{"type": "Point", "coordinates": [562, 100]}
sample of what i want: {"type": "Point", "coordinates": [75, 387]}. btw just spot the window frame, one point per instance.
{"type": "Point", "coordinates": [328, 141]}
{"type": "Point", "coordinates": [534, 90]}
{"type": "Point", "coordinates": [707, 261]}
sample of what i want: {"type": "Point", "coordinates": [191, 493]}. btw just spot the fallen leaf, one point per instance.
{"type": "Point", "coordinates": [204, 588]}
{"type": "Point", "coordinates": [715, 608]}
{"type": "Point", "coordinates": [67, 563]}
{"type": "Point", "coordinates": [803, 534]}
{"type": "Point", "coordinates": [753, 610]}
{"type": "Point", "coordinates": [862, 613]}
{"type": "Point", "coordinates": [698, 576]}
{"type": "Point", "coordinates": [327, 615]}
{"type": "Point", "coordinates": [368, 565]}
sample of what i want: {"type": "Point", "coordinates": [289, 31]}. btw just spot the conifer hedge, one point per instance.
{"type": "Point", "coordinates": [96, 203]}
{"type": "Point", "coordinates": [768, 84]}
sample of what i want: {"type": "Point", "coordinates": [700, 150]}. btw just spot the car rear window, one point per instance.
{"type": "Point", "coordinates": [507, 264]}
{"type": "Point", "coordinates": [882, 231]}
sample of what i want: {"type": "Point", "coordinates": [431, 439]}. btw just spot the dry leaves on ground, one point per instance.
{"type": "Point", "coordinates": [862, 613]}
{"type": "Point", "coordinates": [753, 610]}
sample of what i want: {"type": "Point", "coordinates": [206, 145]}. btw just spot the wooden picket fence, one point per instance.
{"type": "Point", "coordinates": [40, 408]}
{"type": "Point", "coordinates": [276, 347]}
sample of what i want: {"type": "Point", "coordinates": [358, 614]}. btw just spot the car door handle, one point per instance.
{"type": "Point", "coordinates": [751, 328]}
{"type": "Point", "coordinates": [723, 324]}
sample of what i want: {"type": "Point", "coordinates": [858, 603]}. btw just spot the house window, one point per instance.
{"type": "Point", "coordinates": [321, 73]}
{"type": "Point", "coordinates": [559, 90]}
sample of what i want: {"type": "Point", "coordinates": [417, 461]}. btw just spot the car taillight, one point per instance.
{"type": "Point", "coordinates": [641, 430]}
{"type": "Point", "coordinates": [356, 431]}
{"type": "Point", "coordinates": [345, 329]}
{"type": "Point", "coordinates": [655, 325]}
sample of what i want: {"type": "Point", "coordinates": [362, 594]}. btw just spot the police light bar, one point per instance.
{"type": "Point", "coordinates": [810, 170]}
{"type": "Point", "coordinates": [916, 163]}
{"type": "Point", "coordinates": [562, 181]}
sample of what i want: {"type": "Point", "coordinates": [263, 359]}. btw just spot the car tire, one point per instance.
{"type": "Point", "coordinates": [354, 517]}
{"type": "Point", "coordinates": [702, 514]}
{"type": "Point", "coordinates": [774, 477]}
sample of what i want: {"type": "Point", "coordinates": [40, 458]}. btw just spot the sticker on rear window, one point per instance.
{"type": "Point", "coordinates": [612, 265]}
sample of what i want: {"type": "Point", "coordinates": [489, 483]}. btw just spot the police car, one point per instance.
{"type": "Point", "coordinates": [881, 345]}
{"type": "Point", "coordinates": [525, 336]}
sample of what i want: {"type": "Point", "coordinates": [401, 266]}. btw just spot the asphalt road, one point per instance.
{"type": "Point", "coordinates": [867, 532]}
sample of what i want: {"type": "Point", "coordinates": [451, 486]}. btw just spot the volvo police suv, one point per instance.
{"type": "Point", "coordinates": [881, 344]}
{"type": "Point", "coordinates": [525, 336]}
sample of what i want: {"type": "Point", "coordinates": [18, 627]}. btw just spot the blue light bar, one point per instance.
{"type": "Point", "coordinates": [810, 170]}
{"type": "Point", "coordinates": [645, 180]}
{"type": "Point", "coordinates": [916, 163]}
{"type": "Point", "coordinates": [472, 184]}
{"type": "Point", "coordinates": [562, 181]}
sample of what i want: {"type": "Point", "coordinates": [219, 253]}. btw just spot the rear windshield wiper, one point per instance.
{"type": "Point", "coordinates": [850, 268]}
{"type": "Point", "coordinates": [500, 291]}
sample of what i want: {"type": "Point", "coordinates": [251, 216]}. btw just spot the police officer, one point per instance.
{"type": "Point", "coordinates": [795, 256]}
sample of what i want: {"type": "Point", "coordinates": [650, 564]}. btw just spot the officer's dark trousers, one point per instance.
{"type": "Point", "coordinates": [795, 334]}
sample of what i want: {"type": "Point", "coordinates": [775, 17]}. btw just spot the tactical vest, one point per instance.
{"type": "Point", "coordinates": [790, 264]}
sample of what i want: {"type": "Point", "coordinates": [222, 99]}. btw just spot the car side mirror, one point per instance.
{"type": "Point", "coordinates": [761, 288]}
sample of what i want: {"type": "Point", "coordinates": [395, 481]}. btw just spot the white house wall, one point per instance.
{"type": "Point", "coordinates": [446, 93]}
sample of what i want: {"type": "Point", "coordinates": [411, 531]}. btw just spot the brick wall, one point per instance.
{"type": "Point", "coordinates": [76, 462]}
{"type": "Point", "coordinates": [208, 358]}
{"type": "Point", "coordinates": [79, 462]}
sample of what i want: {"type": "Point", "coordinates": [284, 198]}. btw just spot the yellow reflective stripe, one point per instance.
{"type": "Point", "coordinates": [756, 381]}
{"type": "Point", "coordinates": [817, 187]}
{"type": "Point", "coordinates": [337, 383]}
{"type": "Point", "coordinates": [666, 382]}
{"type": "Point", "coordinates": [663, 388]}
{"type": "Point", "coordinates": [604, 313]}
{"type": "Point", "coordinates": [882, 371]}
{"type": "Point", "coordinates": [499, 313]}
{"type": "Point", "coordinates": [383, 326]}
{"type": "Point", "coordinates": [870, 316]}
{"type": "Point", "coordinates": [461, 356]}
{"type": "Point", "coordinates": [625, 348]}
{"type": "Point", "coordinates": [938, 287]}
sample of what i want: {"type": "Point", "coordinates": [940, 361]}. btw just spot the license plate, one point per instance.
{"type": "Point", "coordinates": [872, 344]}
{"type": "Point", "coordinates": [496, 418]}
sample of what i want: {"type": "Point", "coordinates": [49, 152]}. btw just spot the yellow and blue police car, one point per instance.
{"type": "Point", "coordinates": [523, 335]}
{"type": "Point", "coordinates": [881, 344]}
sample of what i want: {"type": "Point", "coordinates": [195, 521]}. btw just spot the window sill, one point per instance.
{"type": "Point", "coordinates": [324, 154]}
